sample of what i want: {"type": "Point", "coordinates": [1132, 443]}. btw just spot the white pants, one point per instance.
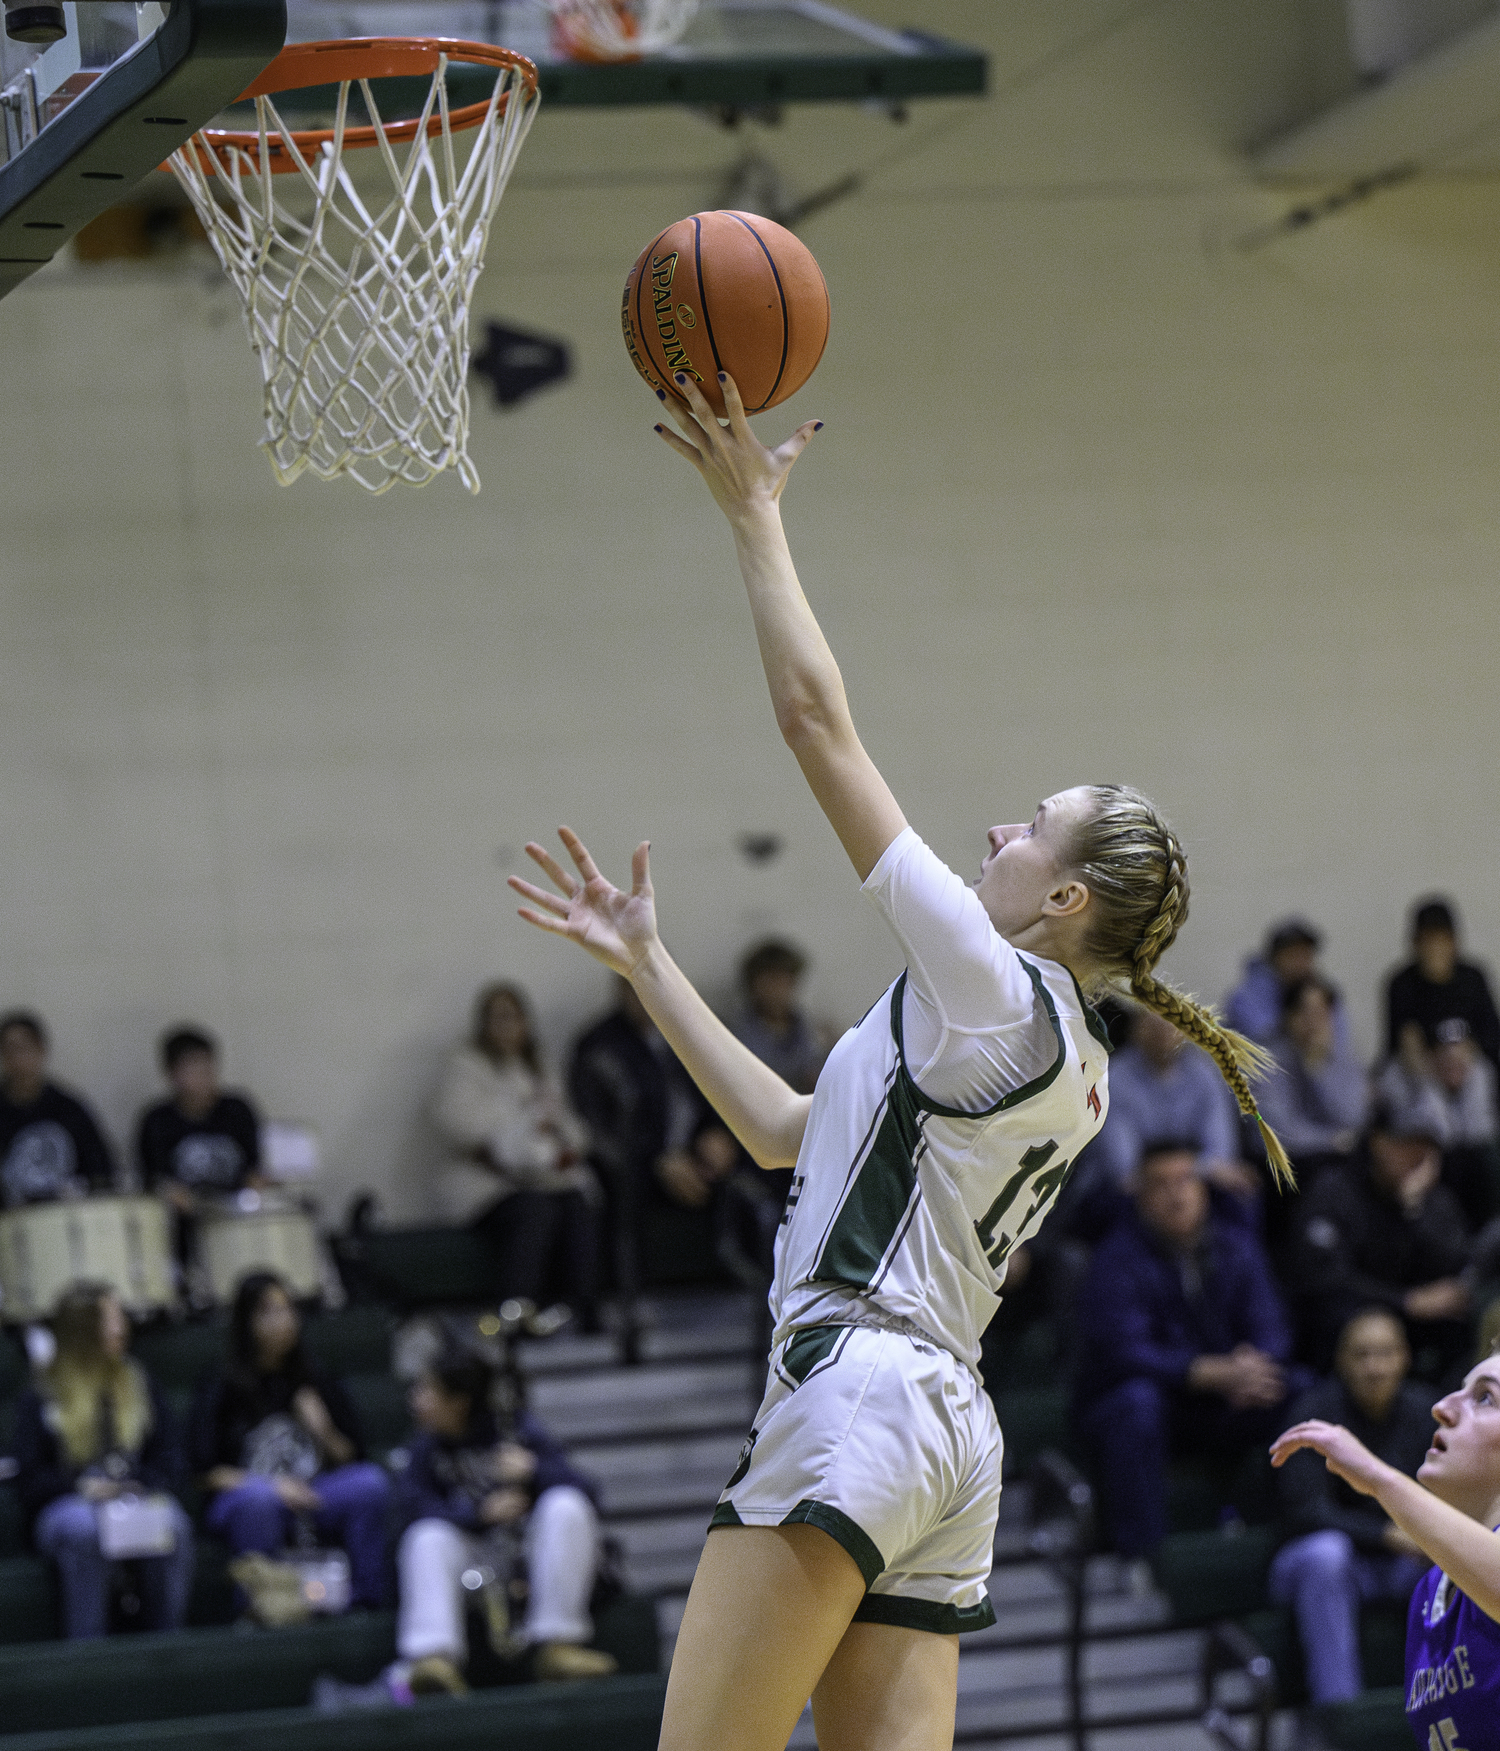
{"type": "Point", "coordinates": [562, 1555]}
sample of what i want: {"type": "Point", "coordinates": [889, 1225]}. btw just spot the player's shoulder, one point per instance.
{"type": "Point", "coordinates": [1067, 1006]}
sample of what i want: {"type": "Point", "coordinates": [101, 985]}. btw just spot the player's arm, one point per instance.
{"type": "Point", "coordinates": [764, 1112]}
{"type": "Point", "coordinates": [1463, 1548]}
{"type": "Point", "coordinates": [807, 690]}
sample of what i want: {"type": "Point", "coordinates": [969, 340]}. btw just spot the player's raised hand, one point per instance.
{"type": "Point", "coordinates": [1346, 1456]}
{"type": "Point", "coordinates": [615, 927]}
{"type": "Point", "coordinates": [740, 471]}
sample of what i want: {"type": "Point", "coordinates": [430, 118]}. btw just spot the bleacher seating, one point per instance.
{"type": "Point", "coordinates": [1212, 1567]}
{"type": "Point", "coordinates": [622, 1713]}
{"type": "Point", "coordinates": [220, 1684]}
{"type": "Point", "coordinates": [660, 1437]}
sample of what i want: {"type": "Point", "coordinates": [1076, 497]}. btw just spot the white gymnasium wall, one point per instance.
{"type": "Point", "coordinates": [1099, 496]}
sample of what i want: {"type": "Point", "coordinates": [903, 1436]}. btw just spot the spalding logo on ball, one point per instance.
{"type": "Point", "coordinates": [726, 292]}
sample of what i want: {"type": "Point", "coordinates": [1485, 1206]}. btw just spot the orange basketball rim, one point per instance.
{"type": "Point", "coordinates": [351, 61]}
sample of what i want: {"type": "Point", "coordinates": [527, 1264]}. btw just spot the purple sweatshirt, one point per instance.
{"type": "Point", "coordinates": [1148, 1312]}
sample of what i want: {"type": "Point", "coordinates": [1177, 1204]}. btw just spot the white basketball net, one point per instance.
{"type": "Point", "coordinates": [359, 314]}
{"type": "Point", "coordinates": [616, 30]}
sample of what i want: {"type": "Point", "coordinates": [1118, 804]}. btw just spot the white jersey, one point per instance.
{"type": "Point", "coordinates": [943, 1125]}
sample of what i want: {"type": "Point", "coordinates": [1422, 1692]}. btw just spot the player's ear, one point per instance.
{"type": "Point", "coordinates": [1067, 899]}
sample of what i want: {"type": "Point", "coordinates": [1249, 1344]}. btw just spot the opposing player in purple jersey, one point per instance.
{"type": "Point", "coordinates": [1450, 1511]}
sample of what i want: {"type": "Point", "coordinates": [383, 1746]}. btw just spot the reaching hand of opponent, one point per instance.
{"type": "Point", "coordinates": [742, 474]}
{"type": "Point", "coordinates": [616, 928]}
{"type": "Point", "coordinates": [1346, 1457]}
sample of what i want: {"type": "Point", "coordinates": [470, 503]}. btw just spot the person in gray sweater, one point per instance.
{"type": "Point", "coordinates": [1319, 1097]}
{"type": "Point", "coordinates": [1342, 1548]}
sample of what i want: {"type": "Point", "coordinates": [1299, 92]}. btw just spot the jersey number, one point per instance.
{"type": "Point", "coordinates": [1449, 1739]}
{"type": "Point", "coordinates": [1045, 1189]}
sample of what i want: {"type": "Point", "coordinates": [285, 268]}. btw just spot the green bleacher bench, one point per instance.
{"type": "Point", "coordinates": [1031, 1420]}
{"type": "Point", "coordinates": [380, 1403]}
{"type": "Point", "coordinates": [13, 1539]}
{"type": "Point", "coordinates": [1212, 1575]}
{"type": "Point", "coordinates": [623, 1714]}
{"type": "Point", "coordinates": [1029, 1357]}
{"type": "Point", "coordinates": [677, 1247]}
{"type": "Point", "coordinates": [1375, 1721]}
{"type": "Point", "coordinates": [413, 1268]}
{"type": "Point", "coordinates": [28, 1601]}
{"type": "Point", "coordinates": [29, 1605]}
{"type": "Point", "coordinates": [355, 1340]}
{"type": "Point", "coordinates": [224, 1671]}
{"type": "Point", "coordinates": [352, 1340]}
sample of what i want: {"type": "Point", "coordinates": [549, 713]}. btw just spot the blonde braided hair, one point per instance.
{"type": "Point", "coordinates": [1137, 876]}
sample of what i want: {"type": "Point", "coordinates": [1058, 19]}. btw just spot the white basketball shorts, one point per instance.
{"type": "Point", "coordinates": [890, 1445]}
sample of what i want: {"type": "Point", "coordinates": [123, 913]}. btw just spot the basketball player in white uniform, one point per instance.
{"type": "Point", "coordinates": [852, 1543]}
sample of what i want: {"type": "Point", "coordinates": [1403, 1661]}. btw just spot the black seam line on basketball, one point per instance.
{"type": "Point", "coordinates": [703, 295]}
{"type": "Point", "coordinates": [640, 321]}
{"type": "Point", "coordinates": [785, 322]}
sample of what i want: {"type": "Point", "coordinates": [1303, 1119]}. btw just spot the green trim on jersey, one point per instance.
{"type": "Point", "coordinates": [842, 1530]}
{"type": "Point", "coordinates": [1092, 1019]}
{"type": "Point", "coordinates": [871, 1213]}
{"type": "Point", "coordinates": [805, 1349]}
{"type": "Point", "coordinates": [924, 1614]}
{"type": "Point", "coordinates": [724, 1515]}
{"type": "Point", "coordinates": [876, 1204]}
{"type": "Point", "coordinates": [1037, 1085]}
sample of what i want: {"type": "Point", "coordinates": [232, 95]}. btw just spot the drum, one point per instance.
{"type": "Point", "coordinates": [257, 1232]}
{"type": "Point", "coordinates": [125, 1242]}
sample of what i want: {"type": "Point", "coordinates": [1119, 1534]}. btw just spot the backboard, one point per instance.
{"type": "Point", "coordinates": [84, 120]}
{"type": "Point", "coordinates": [737, 55]}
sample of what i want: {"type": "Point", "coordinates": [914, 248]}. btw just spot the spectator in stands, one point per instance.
{"type": "Point", "coordinates": [657, 1139]}
{"type": "Point", "coordinates": [1161, 1087]}
{"type": "Point", "coordinates": [50, 1143]}
{"type": "Point", "coordinates": [770, 1022]}
{"type": "Point", "coordinates": [1447, 1086]}
{"type": "Point", "coordinates": [475, 1493]}
{"type": "Point", "coordinates": [1183, 1344]}
{"type": "Point", "coordinates": [1343, 1547]}
{"type": "Point", "coordinates": [1383, 1231]}
{"type": "Point", "coordinates": [93, 1434]}
{"type": "Point", "coordinates": [1317, 1100]}
{"type": "Point", "coordinates": [1435, 986]}
{"type": "Point", "coordinates": [1254, 1007]}
{"type": "Point", "coordinates": [275, 1440]}
{"type": "Point", "coordinates": [202, 1139]}
{"type": "Point", "coordinates": [518, 1172]}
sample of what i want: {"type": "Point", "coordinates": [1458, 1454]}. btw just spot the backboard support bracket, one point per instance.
{"type": "Point", "coordinates": [128, 121]}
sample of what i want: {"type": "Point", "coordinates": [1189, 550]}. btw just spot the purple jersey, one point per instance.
{"type": "Point", "coordinates": [1452, 1669]}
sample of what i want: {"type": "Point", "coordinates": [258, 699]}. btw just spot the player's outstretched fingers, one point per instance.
{"type": "Point", "coordinates": [579, 852]}
{"type": "Point", "coordinates": [734, 406]}
{"type": "Point", "coordinates": [538, 896]}
{"type": "Point", "coordinates": [798, 442]}
{"type": "Point", "coordinates": [683, 448]}
{"type": "Point", "coordinates": [682, 415]}
{"type": "Point", "coordinates": [566, 884]}
{"type": "Point", "coordinates": [704, 416]}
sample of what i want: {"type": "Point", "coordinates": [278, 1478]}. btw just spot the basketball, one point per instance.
{"type": "Point", "coordinates": [727, 292]}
